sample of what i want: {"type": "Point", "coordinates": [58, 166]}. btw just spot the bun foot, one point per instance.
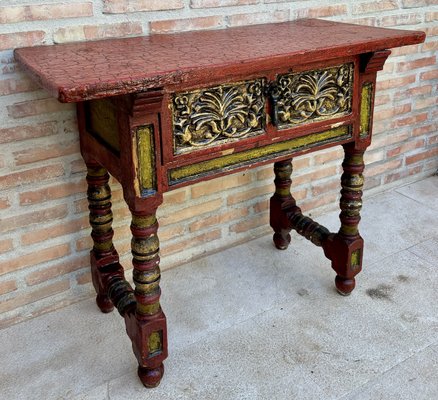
{"type": "Point", "coordinates": [104, 303]}
{"type": "Point", "coordinates": [151, 377]}
{"type": "Point", "coordinates": [281, 242]}
{"type": "Point", "coordinates": [344, 285]}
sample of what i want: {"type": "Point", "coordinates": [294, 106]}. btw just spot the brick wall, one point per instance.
{"type": "Point", "coordinates": [44, 234]}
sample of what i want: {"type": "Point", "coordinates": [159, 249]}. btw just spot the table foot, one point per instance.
{"type": "Point", "coordinates": [281, 241]}
{"type": "Point", "coordinates": [151, 377]}
{"type": "Point", "coordinates": [104, 303]}
{"type": "Point", "coordinates": [344, 286]}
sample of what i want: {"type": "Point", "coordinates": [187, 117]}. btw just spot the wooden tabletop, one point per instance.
{"type": "Point", "coordinates": [89, 70]}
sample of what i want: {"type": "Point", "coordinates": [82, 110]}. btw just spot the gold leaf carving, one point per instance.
{"type": "Point", "coordinates": [312, 95]}
{"type": "Point", "coordinates": [219, 114]}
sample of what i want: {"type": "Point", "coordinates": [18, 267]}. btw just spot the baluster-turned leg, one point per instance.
{"type": "Point", "coordinates": [147, 326]}
{"type": "Point", "coordinates": [283, 172]}
{"type": "Point", "coordinates": [103, 253]}
{"type": "Point", "coordinates": [347, 247]}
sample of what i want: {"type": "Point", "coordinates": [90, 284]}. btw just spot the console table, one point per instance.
{"type": "Point", "coordinates": [165, 111]}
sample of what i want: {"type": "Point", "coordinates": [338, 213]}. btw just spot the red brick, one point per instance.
{"type": "Point", "coordinates": [78, 166]}
{"type": "Point", "coordinates": [412, 92]}
{"type": "Point", "coordinates": [34, 258]}
{"type": "Point", "coordinates": [309, 205]}
{"type": "Point", "coordinates": [218, 219]}
{"type": "Point", "coordinates": [251, 223]}
{"type": "Point", "coordinates": [34, 217]}
{"type": "Point", "coordinates": [220, 3]}
{"type": "Point", "coordinates": [127, 6]}
{"type": "Point", "coordinates": [65, 228]}
{"type": "Point", "coordinates": [21, 300]}
{"type": "Point", "coordinates": [402, 174]}
{"type": "Point", "coordinates": [6, 245]}
{"type": "Point", "coordinates": [85, 243]}
{"type": "Point", "coordinates": [330, 186]}
{"type": "Point", "coordinates": [12, 86]}
{"type": "Point", "coordinates": [314, 175]}
{"type": "Point", "coordinates": [389, 113]}
{"type": "Point", "coordinates": [369, 21]}
{"type": "Point", "coordinates": [250, 194]}
{"type": "Point", "coordinates": [401, 19]}
{"type": "Point", "coordinates": [429, 75]}
{"type": "Point", "coordinates": [23, 132]}
{"type": "Point", "coordinates": [375, 6]}
{"type": "Point", "coordinates": [40, 276]}
{"type": "Point", "coordinates": [7, 287]}
{"type": "Point", "coordinates": [258, 18]}
{"type": "Point", "coordinates": [47, 152]}
{"type": "Point", "coordinates": [36, 107]}
{"type": "Point", "coordinates": [189, 24]}
{"type": "Point", "coordinates": [380, 141]}
{"type": "Point", "coordinates": [9, 41]}
{"type": "Point", "coordinates": [432, 140]}
{"type": "Point", "coordinates": [191, 242]}
{"type": "Point", "coordinates": [93, 32]}
{"type": "Point", "coordinates": [405, 147]}
{"type": "Point", "coordinates": [425, 103]}
{"type": "Point", "coordinates": [414, 119]}
{"type": "Point", "coordinates": [4, 203]}
{"type": "Point", "coordinates": [418, 3]}
{"type": "Point", "coordinates": [83, 279]}
{"type": "Point", "coordinates": [318, 12]}
{"type": "Point", "coordinates": [429, 46]}
{"type": "Point", "coordinates": [380, 168]}
{"type": "Point", "coordinates": [430, 30]}
{"type": "Point", "coordinates": [261, 206]}
{"type": "Point", "coordinates": [190, 212]}
{"type": "Point", "coordinates": [170, 232]}
{"type": "Point", "coordinates": [431, 16]}
{"type": "Point", "coordinates": [36, 12]}
{"type": "Point", "coordinates": [422, 62]}
{"type": "Point", "coordinates": [382, 100]}
{"type": "Point", "coordinates": [433, 152]}
{"type": "Point", "coordinates": [423, 130]}
{"type": "Point", "coordinates": [326, 156]}
{"type": "Point", "coordinates": [395, 82]}
{"type": "Point", "coordinates": [175, 197]}
{"type": "Point", "coordinates": [52, 192]}
{"type": "Point", "coordinates": [220, 184]}
{"type": "Point", "coordinates": [405, 50]}
{"type": "Point", "coordinates": [31, 176]}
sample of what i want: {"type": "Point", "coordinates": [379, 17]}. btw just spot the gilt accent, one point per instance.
{"type": "Point", "coordinates": [219, 114]}
{"type": "Point", "coordinates": [312, 95]}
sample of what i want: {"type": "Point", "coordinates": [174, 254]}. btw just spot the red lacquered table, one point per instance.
{"type": "Point", "coordinates": [165, 111]}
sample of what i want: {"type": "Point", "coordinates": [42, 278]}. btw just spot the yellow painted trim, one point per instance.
{"type": "Point", "coordinates": [154, 343]}
{"type": "Point", "coordinates": [146, 159]}
{"type": "Point", "coordinates": [365, 109]}
{"type": "Point", "coordinates": [290, 145]}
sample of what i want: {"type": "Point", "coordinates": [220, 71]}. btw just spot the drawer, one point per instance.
{"type": "Point", "coordinates": [214, 116]}
{"type": "Point", "coordinates": [312, 96]}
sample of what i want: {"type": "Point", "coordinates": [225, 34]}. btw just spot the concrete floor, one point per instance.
{"type": "Point", "coordinates": [252, 322]}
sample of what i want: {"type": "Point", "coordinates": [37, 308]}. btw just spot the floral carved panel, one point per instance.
{"type": "Point", "coordinates": [312, 95]}
{"type": "Point", "coordinates": [221, 114]}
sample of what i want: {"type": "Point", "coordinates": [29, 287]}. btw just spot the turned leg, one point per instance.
{"type": "Point", "coordinates": [103, 255]}
{"type": "Point", "coordinates": [283, 172]}
{"type": "Point", "coordinates": [347, 251]}
{"type": "Point", "coordinates": [147, 325]}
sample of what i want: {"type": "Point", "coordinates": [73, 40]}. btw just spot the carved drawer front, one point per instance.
{"type": "Point", "coordinates": [311, 96]}
{"type": "Point", "coordinates": [222, 114]}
